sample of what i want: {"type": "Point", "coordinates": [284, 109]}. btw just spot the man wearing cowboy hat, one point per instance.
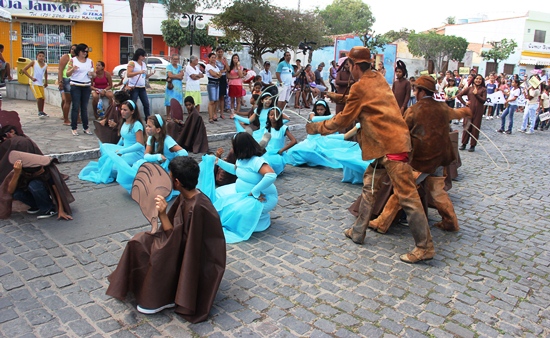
{"type": "Point", "coordinates": [384, 137]}
{"type": "Point", "coordinates": [428, 122]}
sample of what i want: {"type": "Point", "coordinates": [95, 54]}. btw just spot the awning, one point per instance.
{"type": "Point", "coordinates": [5, 15]}
{"type": "Point", "coordinates": [535, 61]}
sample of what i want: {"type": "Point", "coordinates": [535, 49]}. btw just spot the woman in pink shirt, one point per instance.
{"type": "Point", "coordinates": [235, 81]}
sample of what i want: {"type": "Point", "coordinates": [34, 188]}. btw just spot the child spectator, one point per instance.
{"type": "Point", "coordinates": [39, 80]}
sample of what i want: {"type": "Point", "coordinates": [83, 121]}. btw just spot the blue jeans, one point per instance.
{"type": "Point", "coordinates": [142, 94]}
{"type": "Point", "coordinates": [498, 108]}
{"type": "Point", "coordinates": [530, 114]}
{"type": "Point", "coordinates": [213, 92]}
{"type": "Point", "coordinates": [508, 112]}
{"type": "Point", "coordinates": [36, 196]}
{"type": "Point", "coordinates": [80, 96]}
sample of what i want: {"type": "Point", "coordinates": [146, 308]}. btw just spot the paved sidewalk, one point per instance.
{"type": "Point", "coordinates": [301, 277]}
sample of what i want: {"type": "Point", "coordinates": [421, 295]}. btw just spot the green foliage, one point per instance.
{"type": "Point", "coordinates": [392, 35]}
{"type": "Point", "coordinates": [176, 36]}
{"type": "Point", "coordinates": [374, 41]}
{"type": "Point", "coordinates": [347, 16]}
{"type": "Point", "coordinates": [438, 48]}
{"type": "Point", "coordinates": [450, 20]}
{"type": "Point", "coordinates": [501, 50]}
{"type": "Point", "coordinates": [175, 8]}
{"type": "Point", "coordinates": [266, 28]}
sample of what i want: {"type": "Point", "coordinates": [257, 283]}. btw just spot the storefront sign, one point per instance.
{"type": "Point", "coordinates": [536, 47]}
{"type": "Point", "coordinates": [52, 10]}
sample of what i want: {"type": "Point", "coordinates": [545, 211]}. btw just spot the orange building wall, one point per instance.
{"type": "Point", "coordinates": [5, 40]}
{"type": "Point", "coordinates": [111, 54]}
{"type": "Point", "coordinates": [82, 32]}
{"type": "Point", "coordinates": [88, 32]}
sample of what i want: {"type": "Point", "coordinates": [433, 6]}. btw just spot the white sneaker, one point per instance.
{"type": "Point", "coordinates": [488, 118]}
{"type": "Point", "coordinates": [153, 311]}
{"type": "Point", "coordinates": [529, 132]}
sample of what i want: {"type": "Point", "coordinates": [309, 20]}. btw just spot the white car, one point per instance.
{"type": "Point", "coordinates": [158, 62]}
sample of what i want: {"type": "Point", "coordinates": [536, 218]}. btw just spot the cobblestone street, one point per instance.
{"type": "Point", "coordinates": [302, 277]}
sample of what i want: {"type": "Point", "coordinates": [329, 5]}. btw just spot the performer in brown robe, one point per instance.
{"type": "Point", "coordinates": [191, 134]}
{"type": "Point", "coordinates": [183, 263]}
{"type": "Point", "coordinates": [35, 181]}
{"type": "Point", "coordinates": [477, 95]}
{"type": "Point", "coordinates": [383, 136]}
{"type": "Point", "coordinates": [428, 122]}
{"type": "Point", "coordinates": [14, 140]}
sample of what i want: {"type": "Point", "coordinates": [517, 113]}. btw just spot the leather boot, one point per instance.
{"type": "Point", "coordinates": [359, 229]}
{"type": "Point", "coordinates": [442, 203]}
{"type": "Point", "coordinates": [419, 254]}
{"type": "Point", "coordinates": [385, 219]}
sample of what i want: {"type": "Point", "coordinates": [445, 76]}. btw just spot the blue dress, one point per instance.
{"type": "Point", "coordinates": [126, 174]}
{"type": "Point", "coordinates": [177, 92]}
{"type": "Point", "coordinates": [314, 150]}
{"type": "Point", "coordinates": [350, 156]}
{"type": "Point", "coordinates": [262, 118]}
{"type": "Point", "coordinates": [276, 143]}
{"type": "Point", "coordinates": [104, 171]}
{"type": "Point", "coordinates": [241, 214]}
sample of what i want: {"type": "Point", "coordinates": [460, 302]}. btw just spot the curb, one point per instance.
{"type": "Point", "coordinates": [94, 153]}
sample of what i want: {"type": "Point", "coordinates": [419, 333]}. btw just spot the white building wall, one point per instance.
{"type": "Point", "coordinates": [495, 30]}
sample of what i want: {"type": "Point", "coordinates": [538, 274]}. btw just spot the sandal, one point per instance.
{"type": "Point", "coordinates": [66, 123]}
{"type": "Point", "coordinates": [88, 132]}
{"type": "Point", "coordinates": [75, 132]}
{"type": "Point", "coordinates": [215, 120]}
{"type": "Point", "coordinates": [211, 121]}
{"type": "Point", "coordinates": [221, 116]}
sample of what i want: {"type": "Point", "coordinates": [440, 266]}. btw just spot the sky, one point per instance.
{"type": "Point", "coordinates": [419, 16]}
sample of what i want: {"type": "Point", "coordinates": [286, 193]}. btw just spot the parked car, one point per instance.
{"type": "Point", "coordinates": [159, 63]}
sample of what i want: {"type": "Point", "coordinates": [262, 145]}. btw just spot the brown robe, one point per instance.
{"type": "Point", "coordinates": [477, 106]}
{"type": "Point", "coordinates": [21, 143]}
{"type": "Point", "coordinates": [105, 133]}
{"type": "Point", "coordinates": [191, 135]}
{"type": "Point", "coordinates": [51, 171]}
{"type": "Point", "coordinates": [184, 265]}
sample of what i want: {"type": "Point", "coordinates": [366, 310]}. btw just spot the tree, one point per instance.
{"type": "Point", "coordinates": [450, 20]}
{"type": "Point", "coordinates": [501, 51]}
{"type": "Point", "coordinates": [392, 35]}
{"type": "Point", "coordinates": [136, 11]}
{"type": "Point", "coordinates": [176, 36]}
{"type": "Point", "coordinates": [174, 8]}
{"type": "Point", "coordinates": [347, 16]}
{"type": "Point", "coordinates": [266, 28]}
{"type": "Point", "coordinates": [438, 48]}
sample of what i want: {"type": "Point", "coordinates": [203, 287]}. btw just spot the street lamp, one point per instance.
{"type": "Point", "coordinates": [192, 21]}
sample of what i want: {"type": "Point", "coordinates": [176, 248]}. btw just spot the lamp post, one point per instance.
{"type": "Point", "coordinates": [192, 21]}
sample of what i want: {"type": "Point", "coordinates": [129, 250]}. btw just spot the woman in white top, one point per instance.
{"type": "Point", "coordinates": [137, 73]}
{"type": "Point", "coordinates": [213, 73]}
{"type": "Point", "coordinates": [192, 78]}
{"type": "Point", "coordinates": [80, 72]}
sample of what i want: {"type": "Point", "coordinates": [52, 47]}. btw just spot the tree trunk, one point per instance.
{"type": "Point", "coordinates": [136, 9]}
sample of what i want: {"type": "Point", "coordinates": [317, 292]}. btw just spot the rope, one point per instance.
{"type": "Point", "coordinates": [484, 149]}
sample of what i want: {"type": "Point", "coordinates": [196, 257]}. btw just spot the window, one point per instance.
{"type": "Point", "coordinates": [154, 61]}
{"type": "Point", "coordinates": [54, 40]}
{"type": "Point", "coordinates": [127, 48]}
{"type": "Point", "coordinates": [540, 36]}
{"type": "Point", "coordinates": [509, 68]}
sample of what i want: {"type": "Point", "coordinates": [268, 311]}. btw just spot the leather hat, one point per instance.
{"type": "Point", "coordinates": [29, 160]}
{"type": "Point", "coordinates": [426, 82]}
{"type": "Point", "coordinates": [360, 54]}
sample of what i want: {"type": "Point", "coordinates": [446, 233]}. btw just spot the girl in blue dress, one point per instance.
{"type": "Point", "coordinates": [160, 149]}
{"type": "Point", "coordinates": [126, 152]}
{"type": "Point", "coordinates": [259, 118]}
{"type": "Point", "coordinates": [244, 206]}
{"type": "Point", "coordinates": [314, 149]}
{"type": "Point", "coordinates": [276, 146]}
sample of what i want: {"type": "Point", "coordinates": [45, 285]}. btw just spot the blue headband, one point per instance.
{"type": "Point", "coordinates": [132, 104]}
{"type": "Point", "coordinates": [159, 118]}
{"type": "Point", "coordinates": [321, 102]}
